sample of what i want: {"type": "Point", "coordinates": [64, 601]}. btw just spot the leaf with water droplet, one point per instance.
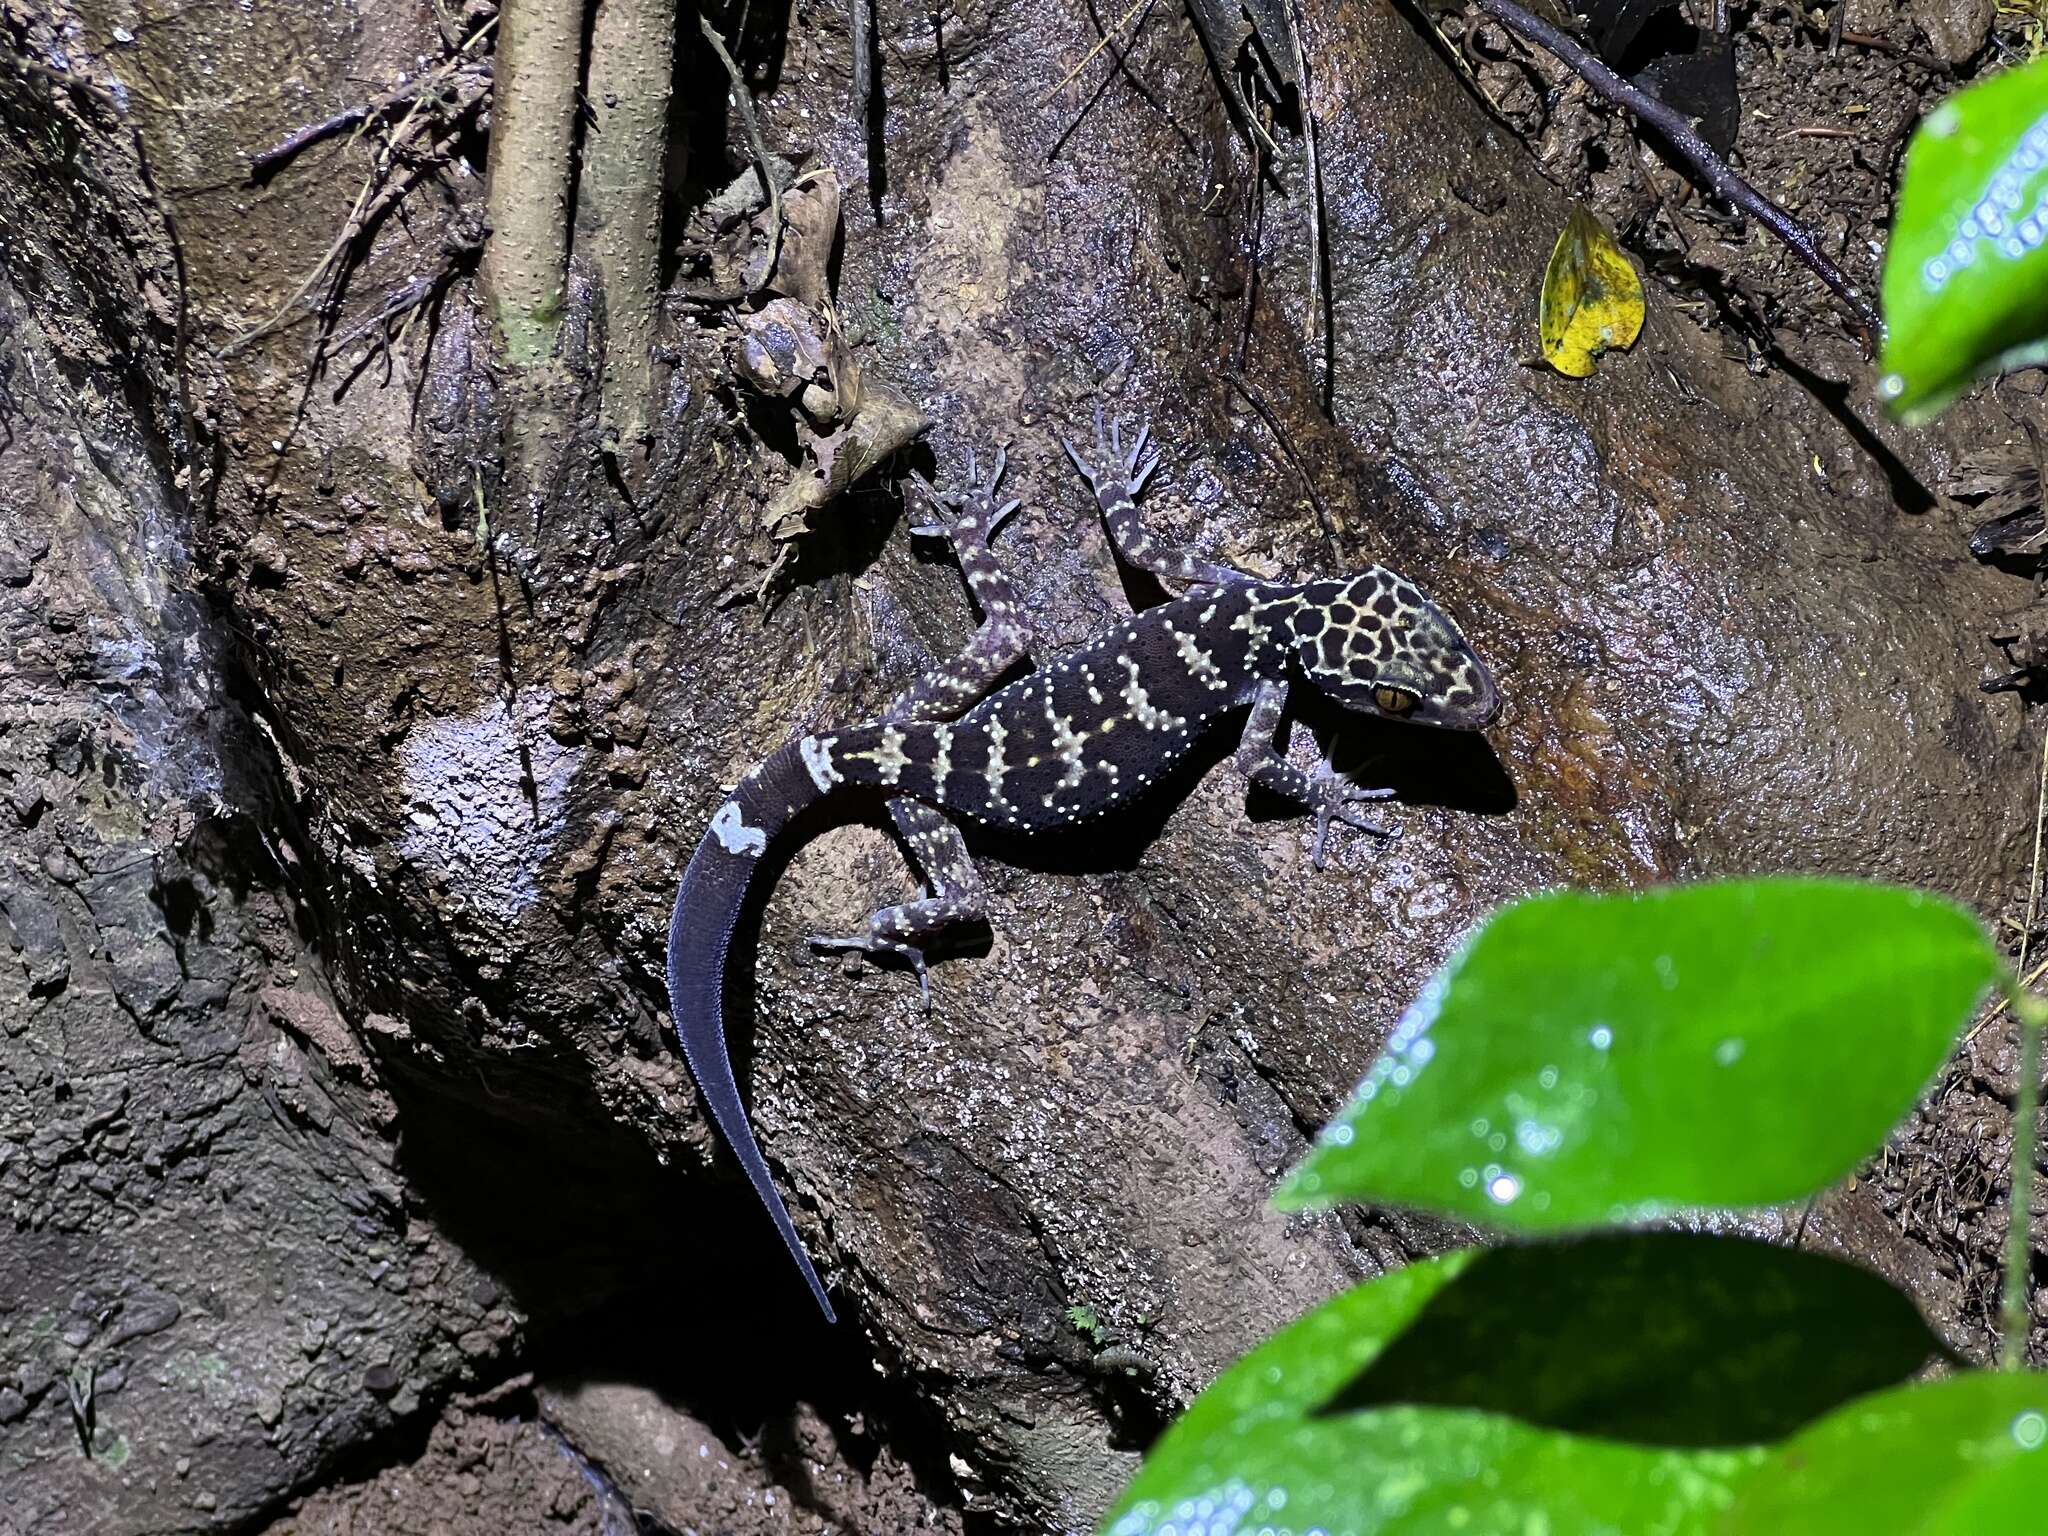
{"type": "Point", "coordinates": [1960, 1457]}
{"type": "Point", "coordinates": [1632, 1055]}
{"type": "Point", "coordinates": [1273, 1445]}
{"type": "Point", "coordinates": [1966, 271]}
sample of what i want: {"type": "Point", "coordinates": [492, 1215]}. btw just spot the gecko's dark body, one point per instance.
{"type": "Point", "coordinates": [1073, 740]}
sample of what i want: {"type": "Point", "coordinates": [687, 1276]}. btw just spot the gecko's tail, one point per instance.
{"type": "Point", "coordinates": [699, 940]}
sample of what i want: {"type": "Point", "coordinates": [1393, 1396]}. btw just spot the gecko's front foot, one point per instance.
{"type": "Point", "coordinates": [969, 517]}
{"type": "Point", "coordinates": [1124, 471]}
{"type": "Point", "coordinates": [1335, 797]}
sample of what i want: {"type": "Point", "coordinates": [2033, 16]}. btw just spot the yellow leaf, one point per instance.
{"type": "Point", "coordinates": [1592, 299]}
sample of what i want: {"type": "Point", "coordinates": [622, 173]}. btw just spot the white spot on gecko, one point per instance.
{"type": "Point", "coordinates": [817, 751]}
{"type": "Point", "coordinates": [1143, 710]}
{"type": "Point", "coordinates": [733, 833]}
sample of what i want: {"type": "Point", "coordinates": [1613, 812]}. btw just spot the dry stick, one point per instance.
{"type": "Point", "coordinates": [369, 203]}
{"type": "Point", "coordinates": [2019, 1231]}
{"type": "Point", "coordinates": [1121, 61]}
{"type": "Point", "coordinates": [1319, 298]}
{"type": "Point", "coordinates": [1257, 402]}
{"type": "Point", "coordinates": [1880, 44]}
{"type": "Point", "coordinates": [2034, 876]}
{"type": "Point", "coordinates": [1102, 43]}
{"type": "Point", "coordinates": [1680, 134]}
{"type": "Point", "coordinates": [403, 301]}
{"type": "Point", "coordinates": [350, 227]}
{"type": "Point", "coordinates": [264, 162]}
{"type": "Point", "coordinates": [744, 100]}
{"type": "Point", "coordinates": [1251, 260]}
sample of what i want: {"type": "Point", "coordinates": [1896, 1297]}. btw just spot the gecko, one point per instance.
{"type": "Point", "coordinates": [1078, 738]}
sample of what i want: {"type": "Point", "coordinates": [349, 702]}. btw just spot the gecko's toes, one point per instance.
{"type": "Point", "coordinates": [876, 947]}
{"type": "Point", "coordinates": [1137, 448]}
{"type": "Point", "coordinates": [1337, 807]}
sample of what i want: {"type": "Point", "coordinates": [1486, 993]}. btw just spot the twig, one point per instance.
{"type": "Point", "coordinates": [1320, 306]}
{"type": "Point", "coordinates": [1680, 134]}
{"type": "Point", "coordinates": [1123, 67]}
{"type": "Point", "coordinates": [1834, 34]}
{"type": "Point", "coordinates": [1258, 403]}
{"type": "Point", "coordinates": [372, 200]}
{"type": "Point", "coordinates": [264, 162]}
{"type": "Point", "coordinates": [2034, 874]}
{"type": "Point", "coordinates": [404, 300]}
{"type": "Point", "coordinates": [65, 78]}
{"type": "Point", "coordinates": [2032, 1017]}
{"type": "Point", "coordinates": [1257, 198]}
{"type": "Point", "coordinates": [369, 204]}
{"type": "Point", "coordinates": [1100, 44]}
{"type": "Point", "coordinates": [744, 100]}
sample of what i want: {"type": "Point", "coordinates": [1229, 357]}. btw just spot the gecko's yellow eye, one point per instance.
{"type": "Point", "coordinates": [1394, 701]}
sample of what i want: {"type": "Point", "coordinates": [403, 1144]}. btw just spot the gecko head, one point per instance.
{"type": "Point", "coordinates": [1376, 644]}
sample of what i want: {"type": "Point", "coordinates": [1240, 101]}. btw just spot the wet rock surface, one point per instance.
{"type": "Point", "coordinates": [214, 1281]}
{"type": "Point", "coordinates": [335, 1067]}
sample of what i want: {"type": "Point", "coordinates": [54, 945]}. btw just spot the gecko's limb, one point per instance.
{"type": "Point", "coordinates": [1330, 795]}
{"type": "Point", "coordinates": [967, 520]}
{"type": "Point", "coordinates": [953, 891]}
{"type": "Point", "coordinates": [1116, 486]}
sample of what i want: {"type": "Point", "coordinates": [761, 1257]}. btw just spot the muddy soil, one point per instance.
{"type": "Point", "coordinates": [355, 1183]}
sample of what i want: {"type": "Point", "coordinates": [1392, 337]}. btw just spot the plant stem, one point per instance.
{"type": "Point", "coordinates": [632, 61]}
{"type": "Point", "coordinates": [2030, 1016]}
{"type": "Point", "coordinates": [533, 120]}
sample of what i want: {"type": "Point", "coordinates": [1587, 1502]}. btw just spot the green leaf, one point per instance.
{"type": "Point", "coordinates": [1665, 1338]}
{"type": "Point", "coordinates": [1586, 1060]}
{"type": "Point", "coordinates": [1272, 1446]}
{"type": "Point", "coordinates": [1966, 273]}
{"type": "Point", "coordinates": [1963, 1457]}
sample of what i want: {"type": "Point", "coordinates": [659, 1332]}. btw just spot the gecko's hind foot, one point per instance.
{"type": "Point", "coordinates": [876, 947]}
{"type": "Point", "coordinates": [1335, 799]}
{"type": "Point", "coordinates": [971, 513]}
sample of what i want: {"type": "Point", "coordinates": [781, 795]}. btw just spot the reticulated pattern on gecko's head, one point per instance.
{"type": "Point", "coordinates": [1376, 643]}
